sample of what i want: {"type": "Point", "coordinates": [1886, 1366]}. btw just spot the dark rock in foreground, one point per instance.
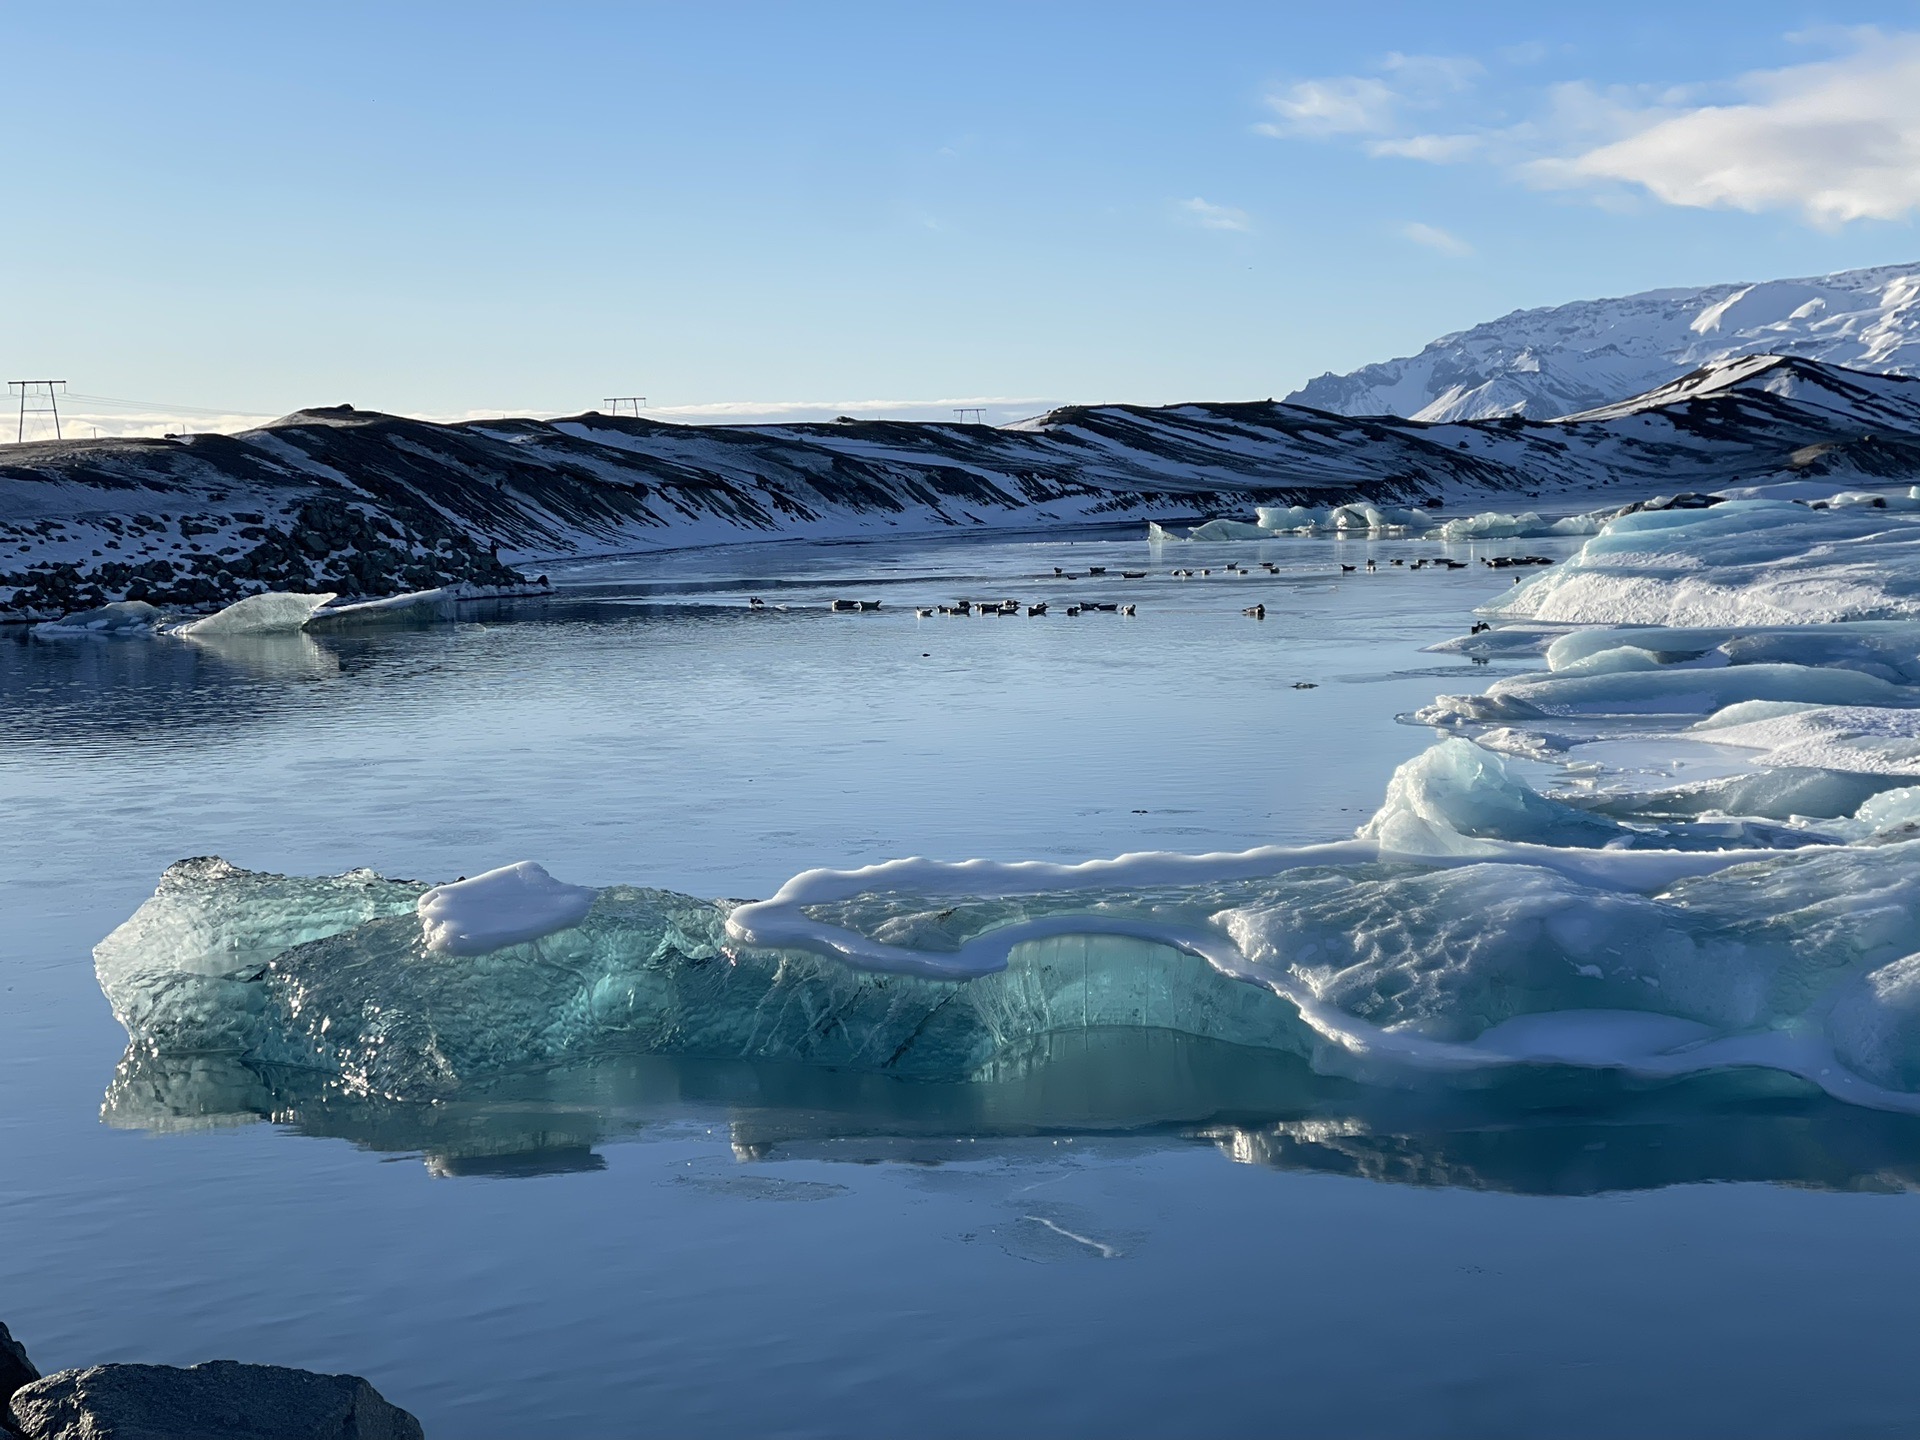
{"type": "Point", "coordinates": [15, 1370]}
{"type": "Point", "coordinates": [221, 1398]}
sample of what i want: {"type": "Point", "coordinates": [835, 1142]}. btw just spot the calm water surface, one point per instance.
{"type": "Point", "coordinates": [1129, 1234]}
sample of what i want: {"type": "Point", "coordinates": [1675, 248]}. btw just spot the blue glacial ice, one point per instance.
{"type": "Point", "coordinates": [1482, 920]}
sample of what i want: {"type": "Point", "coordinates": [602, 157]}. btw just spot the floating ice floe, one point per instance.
{"type": "Point", "coordinates": [1273, 520]}
{"type": "Point", "coordinates": [1493, 525]}
{"type": "Point", "coordinates": [414, 606]}
{"type": "Point", "coordinates": [278, 613]}
{"type": "Point", "coordinates": [1359, 516]}
{"type": "Point", "coordinates": [1375, 520]}
{"type": "Point", "coordinates": [1214, 530]}
{"type": "Point", "coordinates": [123, 617]}
{"type": "Point", "coordinates": [273, 613]}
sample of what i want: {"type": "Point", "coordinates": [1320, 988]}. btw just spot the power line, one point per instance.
{"type": "Point", "coordinates": [633, 404]}
{"type": "Point", "coordinates": [161, 406]}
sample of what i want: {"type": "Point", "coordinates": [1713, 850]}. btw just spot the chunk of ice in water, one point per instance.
{"type": "Point", "coordinates": [123, 617]}
{"type": "Point", "coordinates": [274, 613]}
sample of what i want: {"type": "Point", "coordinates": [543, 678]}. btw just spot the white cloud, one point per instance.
{"type": "Point", "coordinates": [1367, 104]}
{"type": "Point", "coordinates": [1836, 140]}
{"type": "Point", "coordinates": [1425, 77]}
{"type": "Point", "coordinates": [1343, 105]}
{"type": "Point", "coordinates": [1434, 238]}
{"type": "Point", "coordinates": [1527, 52]}
{"type": "Point", "coordinates": [1434, 149]}
{"type": "Point", "coordinates": [85, 422]}
{"type": "Point", "coordinates": [1209, 216]}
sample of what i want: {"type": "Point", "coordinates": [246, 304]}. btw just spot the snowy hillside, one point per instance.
{"type": "Point", "coordinates": [367, 504]}
{"type": "Point", "coordinates": [363, 503]}
{"type": "Point", "coordinates": [1549, 362]}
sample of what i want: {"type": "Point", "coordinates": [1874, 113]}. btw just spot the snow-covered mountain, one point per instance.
{"type": "Point", "coordinates": [1571, 358]}
{"type": "Point", "coordinates": [368, 504]}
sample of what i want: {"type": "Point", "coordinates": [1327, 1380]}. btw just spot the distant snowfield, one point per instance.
{"type": "Point", "coordinates": [1569, 358]}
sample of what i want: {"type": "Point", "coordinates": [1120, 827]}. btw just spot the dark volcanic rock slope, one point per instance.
{"type": "Point", "coordinates": [370, 504]}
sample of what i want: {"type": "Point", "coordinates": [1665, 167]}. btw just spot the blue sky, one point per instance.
{"type": "Point", "coordinates": [444, 210]}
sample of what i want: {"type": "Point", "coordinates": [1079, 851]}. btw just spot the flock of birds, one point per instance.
{"type": "Point", "coordinates": [1014, 607]}
{"type": "Point", "coordinates": [1080, 607]}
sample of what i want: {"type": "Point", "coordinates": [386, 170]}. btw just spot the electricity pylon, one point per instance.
{"type": "Point", "coordinates": [34, 389]}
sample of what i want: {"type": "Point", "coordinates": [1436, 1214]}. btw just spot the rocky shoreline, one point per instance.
{"type": "Point", "coordinates": [170, 1402]}
{"type": "Point", "coordinates": [325, 544]}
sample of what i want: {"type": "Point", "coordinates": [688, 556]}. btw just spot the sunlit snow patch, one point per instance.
{"type": "Point", "coordinates": [508, 906]}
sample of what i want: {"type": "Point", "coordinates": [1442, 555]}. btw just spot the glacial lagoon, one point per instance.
{"type": "Point", "coordinates": [1094, 1228]}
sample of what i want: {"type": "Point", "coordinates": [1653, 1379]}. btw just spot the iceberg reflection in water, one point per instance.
{"type": "Point", "coordinates": [1103, 1088]}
